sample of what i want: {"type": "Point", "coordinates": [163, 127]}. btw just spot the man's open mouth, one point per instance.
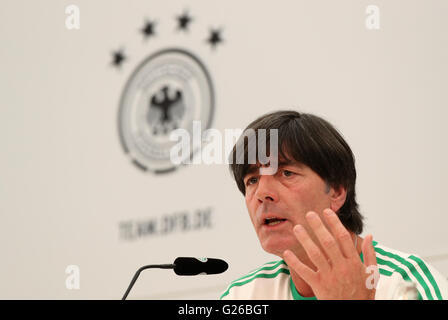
{"type": "Point", "coordinates": [273, 221]}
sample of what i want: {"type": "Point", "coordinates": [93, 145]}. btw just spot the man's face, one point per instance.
{"type": "Point", "coordinates": [276, 203]}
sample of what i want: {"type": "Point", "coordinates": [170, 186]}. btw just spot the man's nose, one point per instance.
{"type": "Point", "coordinates": [266, 189]}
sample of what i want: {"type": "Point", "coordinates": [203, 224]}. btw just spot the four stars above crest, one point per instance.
{"type": "Point", "coordinates": [183, 23]}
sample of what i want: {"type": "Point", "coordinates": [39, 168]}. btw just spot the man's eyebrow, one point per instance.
{"type": "Point", "coordinates": [252, 168]}
{"type": "Point", "coordinates": [283, 163]}
{"type": "Point", "coordinates": [290, 163]}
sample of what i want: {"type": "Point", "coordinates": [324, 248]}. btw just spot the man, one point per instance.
{"type": "Point", "coordinates": [306, 213]}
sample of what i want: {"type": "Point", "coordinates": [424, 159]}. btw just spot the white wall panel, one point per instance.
{"type": "Point", "coordinates": [66, 184]}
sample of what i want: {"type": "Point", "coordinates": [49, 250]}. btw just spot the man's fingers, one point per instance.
{"type": "Point", "coordinates": [368, 251]}
{"type": "Point", "coordinates": [340, 233]}
{"type": "Point", "coordinates": [312, 250]}
{"type": "Point", "coordinates": [308, 275]}
{"type": "Point", "coordinates": [326, 239]}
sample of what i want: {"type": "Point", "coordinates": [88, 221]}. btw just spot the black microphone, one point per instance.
{"type": "Point", "coordinates": [185, 266]}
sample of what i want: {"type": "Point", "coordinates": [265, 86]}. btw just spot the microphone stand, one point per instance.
{"type": "Point", "coordinates": [159, 266]}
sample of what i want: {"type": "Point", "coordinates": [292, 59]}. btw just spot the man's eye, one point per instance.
{"type": "Point", "coordinates": [251, 181]}
{"type": "Point", "coordinates": [287, 173]}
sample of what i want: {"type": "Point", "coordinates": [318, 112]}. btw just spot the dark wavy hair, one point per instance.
{"type": "Point", "coordinates": [310, 140]}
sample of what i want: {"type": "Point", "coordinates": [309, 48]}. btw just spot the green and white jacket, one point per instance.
{"type": "Point", "coordinates": [273, 281]}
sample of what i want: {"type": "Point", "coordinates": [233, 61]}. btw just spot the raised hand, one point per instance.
{"type": "Point", "coordinates": [340, 272]}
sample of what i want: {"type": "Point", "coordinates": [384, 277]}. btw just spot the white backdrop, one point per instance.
{"type": "Point", "coordinates": [66, 184]}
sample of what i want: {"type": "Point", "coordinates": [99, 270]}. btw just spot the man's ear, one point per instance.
{"type": "Point", "coordinates": [337, 197]}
